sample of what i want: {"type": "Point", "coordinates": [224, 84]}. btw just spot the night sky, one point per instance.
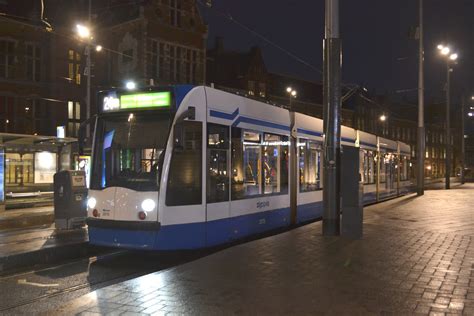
{"type": "Point", "coordinates": [378, 52]}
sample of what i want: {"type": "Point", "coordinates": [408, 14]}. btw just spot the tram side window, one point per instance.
{"type": "Point", "coordinates": [403, 168]}
{"type": "Point", "coordinates": [246, 160]}
{"type": "Point", "coordinates": [259, 164]}
{"type": "Point", "coordinates": [275, 164]}
{"type": "Point", "coordinates": [309, 166]}
{"type": "Point", "coordinates": [217, 175]}
{"type": "Point", "coordinates": [383, 168]}
{"type": "Point", "coordinates": [185, 175]}
{"type": "Point", "coordinates": [369, 167]}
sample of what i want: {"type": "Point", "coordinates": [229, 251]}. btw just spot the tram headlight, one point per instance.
{"type": "Point", "coordinates": [91, 202]}
{"type": "Point", "coordinates": [148, 205]}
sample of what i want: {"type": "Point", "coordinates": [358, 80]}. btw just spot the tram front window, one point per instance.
{"type": "Point", "coordinates": [129, 151]}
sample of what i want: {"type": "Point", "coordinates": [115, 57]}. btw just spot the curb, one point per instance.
{"type": "Point", "coordinates": [26, 221]}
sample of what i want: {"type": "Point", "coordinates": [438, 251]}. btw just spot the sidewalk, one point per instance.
{"type": "Point", "coordinates": [417, 256]}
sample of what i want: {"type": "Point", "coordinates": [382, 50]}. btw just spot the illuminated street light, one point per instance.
{"type": "Point", "coordinates": [383, 118]}
{"type": "Point", "coordinates": [470, 114]}
{"type": "Point", "coordinates": [83, 31]}
{"type": "Point", "coordinates": [449, 59]}
{"type": "Point", "coordinates": [130, 85]}
{"type": "Point", "coordinates": [98, 48]}
{"type": "Point", "coordinates": [445, 50]}
{"type": "Point", "coordinates": [291, 93]}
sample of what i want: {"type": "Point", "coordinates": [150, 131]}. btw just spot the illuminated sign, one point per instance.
{"type": "Point", "coordinates": [145, 100]}
{"type": "Point", "coordinates": [60, 132]}
{"type": "Point", "coordinates": [111, 103]}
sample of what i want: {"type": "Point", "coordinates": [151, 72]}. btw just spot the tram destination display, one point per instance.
{"type": "Point", "coordinates": [136, 101]}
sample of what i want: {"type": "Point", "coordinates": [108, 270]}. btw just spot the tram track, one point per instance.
{"type": "Point", "coordinates": [36, 292]}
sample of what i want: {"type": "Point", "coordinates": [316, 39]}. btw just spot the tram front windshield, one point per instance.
{"type": "Point", "coordinates": [129, 150]}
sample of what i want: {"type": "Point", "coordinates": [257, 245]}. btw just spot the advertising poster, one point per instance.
{"type": "Point", "coordinates": [45, 167]}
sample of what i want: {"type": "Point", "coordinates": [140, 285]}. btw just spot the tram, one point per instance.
{"type": "Point", "coordinates": [187, 167]}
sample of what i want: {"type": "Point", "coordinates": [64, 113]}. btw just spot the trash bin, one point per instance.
{"type": "Point", "coordinates": [70, 195]}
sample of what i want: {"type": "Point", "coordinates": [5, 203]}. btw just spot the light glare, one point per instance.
{"type": "Point", "coordinates": [383, 118]}
{"type": "Point", "coordinates": [453, 56]}
{"type": "Point", "coordinates": [98, 48]}
{"type": "Point", "coordinates": [445, 50]}
{"type": "Point", "coordinates": [91, 202]}
{"type": "Point", "coordinates": [83, 31]}
{"type": "Point", "coordinates": [130, 85]}
{"type": "Point", "coordinates": [148, 205]}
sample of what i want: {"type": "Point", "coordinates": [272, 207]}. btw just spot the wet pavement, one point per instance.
{"type": "Point", "coordinates": [416, 257]}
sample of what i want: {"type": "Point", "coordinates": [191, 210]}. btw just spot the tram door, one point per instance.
{"type": "Point", "coordinates": [217, 183]}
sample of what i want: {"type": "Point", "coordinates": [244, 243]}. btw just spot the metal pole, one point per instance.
{"type": "Point", "coordinates": [463, 149]}
{"type": "Point", "coordinates": [421, 115]}
{"type": "Point", "coordinates": [88, 62]}
{"type": "Point", "coordinates": [448, 127]}
{"type": "Point", "coordinates": [332, 121]}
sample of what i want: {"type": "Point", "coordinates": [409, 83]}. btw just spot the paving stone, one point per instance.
{"type": "Point", "coordinates": [415, 258]}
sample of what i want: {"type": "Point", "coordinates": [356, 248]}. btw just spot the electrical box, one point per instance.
{"type": "Point", "coordinates": [352, 194]}
{"type": "Point", "coordinates": [70, 196]}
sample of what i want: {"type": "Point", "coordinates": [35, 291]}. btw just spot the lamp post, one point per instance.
{"type": "Point", "coordinates": [291, 94]}
{"type": "Point", "coordinates": [450, 57]}
{"type": "Point", "coordinates": [420, 156]}
{"type": "Point", "coordinates": [84, 33]}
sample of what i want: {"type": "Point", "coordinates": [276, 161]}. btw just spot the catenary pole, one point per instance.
{"type": "Point", "coordinates": [332, 121]}
{"type": "Point", "coordinates": [448, 126]}
{"type": "Point", "coordinates": [463, 148]}
{"type": "Point", "coordinates": [421, 115]}
{"type": "Point", "coordinates": [89, 70]}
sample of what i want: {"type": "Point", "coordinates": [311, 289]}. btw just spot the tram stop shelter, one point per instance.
{"type": "Point", "coordinates": [27, 166]}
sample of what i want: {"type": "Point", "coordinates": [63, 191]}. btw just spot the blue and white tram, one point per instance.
{"type": "Point", "coordinates": [188, 167]}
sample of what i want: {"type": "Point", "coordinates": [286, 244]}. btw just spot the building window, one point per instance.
{"type": "Point", "coordinates": [74, 67]}
{"type": "Point", "coordinates": [176, 12]}
{"type": "Point", "coordinates": [33, 62]}
{"type": "Point", "coordinates": [7, 58]}
{"type": "Point", "coordinates": [251, 87]}
{"type": "Point", "coordinates": [173, 63]}
{"type": "Point", "coordinates": [262, 89]}
{"type": "Point", "coordinates": [74, 118]}
{"type": "Point", "coordinates": [127, 56]}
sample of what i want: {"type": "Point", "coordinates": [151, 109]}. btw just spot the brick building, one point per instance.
{"type": "Point", "coordinates": [160, 40]}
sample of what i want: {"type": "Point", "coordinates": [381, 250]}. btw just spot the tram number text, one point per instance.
{"type": "Point", "coordinates": [263, 204]}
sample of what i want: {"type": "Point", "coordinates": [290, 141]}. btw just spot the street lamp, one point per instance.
{"type": "Point", "coordinates": [84, 33]}
{"type": "Point", "coordinates": [383, 118]}
{"type": "Point", "coordinates": [450, 57]}
{"type": "Point", "coordinates": [291, 93]}
{"type": "Point", "coordinates": [130, 85]}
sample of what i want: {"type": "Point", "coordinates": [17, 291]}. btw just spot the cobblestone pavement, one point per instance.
{"type": "Point", "coordinates": [416, 257]}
